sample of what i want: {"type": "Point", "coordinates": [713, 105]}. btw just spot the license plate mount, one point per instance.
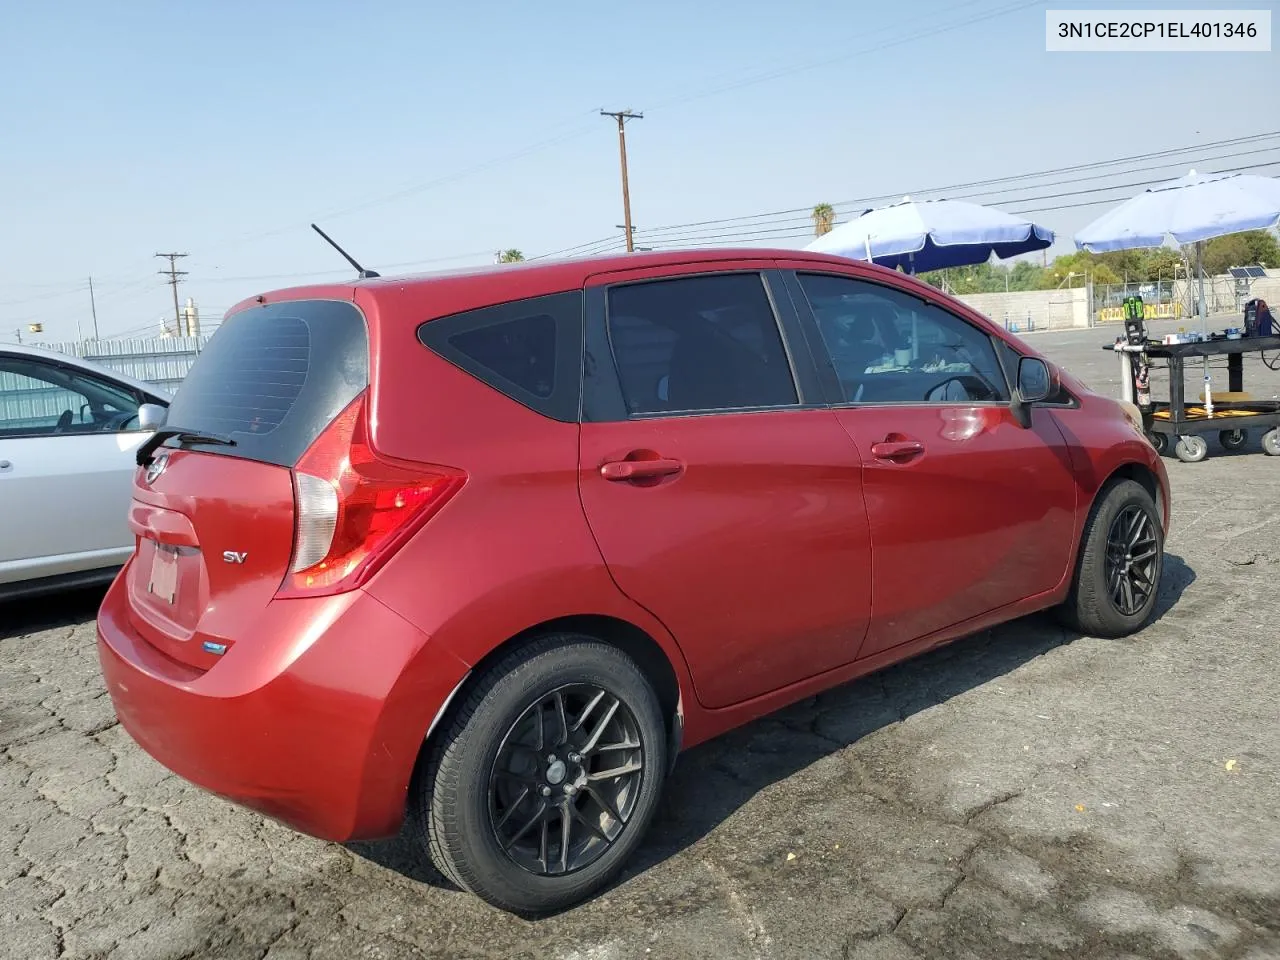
{"type": "Point", "coordinates": [164, 574]}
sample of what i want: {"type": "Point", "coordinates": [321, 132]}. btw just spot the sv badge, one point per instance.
{"type": "Point", "coordinates": [233, 556]}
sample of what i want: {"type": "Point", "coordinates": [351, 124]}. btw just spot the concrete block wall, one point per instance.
{"type": "Point", "coordinates": [1031, 310]}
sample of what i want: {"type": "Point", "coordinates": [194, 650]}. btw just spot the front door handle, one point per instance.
{"type": "Point", "coordinates": [6, 466]}
{"type": "Point", "coordinates": [897, 450]}
{"type": "Point", "coordinates": [640, 469]}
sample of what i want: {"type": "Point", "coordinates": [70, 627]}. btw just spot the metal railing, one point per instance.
{"type": "Point", "coordinates": [163, 361]}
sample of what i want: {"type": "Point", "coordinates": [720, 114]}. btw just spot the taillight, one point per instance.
{"type": "Point", "coordinates": [353, 509]}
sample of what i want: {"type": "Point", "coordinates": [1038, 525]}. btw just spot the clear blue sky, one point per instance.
{"type": "Point", "coordinates": [221, 129]}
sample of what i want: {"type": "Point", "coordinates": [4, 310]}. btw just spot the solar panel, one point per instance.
{"type": "Point", "coordinates": [1256, 271]}
{"type": "Point", "coordinates": [1240, 273]}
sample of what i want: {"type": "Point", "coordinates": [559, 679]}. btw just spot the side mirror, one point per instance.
{"type": "Point", "coordinates": [151, 416]}
{"type": "Point", "coordinates": [1033, 386]}
{"type": "Point", "coordinates": [1033, 380]}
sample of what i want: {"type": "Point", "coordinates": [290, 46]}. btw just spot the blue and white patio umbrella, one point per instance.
{"type": "Point", "coordinates": [1191, 209]}
{"type": "Point", "coordinates": [921, 235]}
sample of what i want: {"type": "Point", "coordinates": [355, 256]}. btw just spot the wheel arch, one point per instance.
{"type": "Point", "coordinates": [627, 637]}
{"type": "Point", "coordinates": [1144, 476]}
{"type": "Point", "coordinates": [1135, 470]}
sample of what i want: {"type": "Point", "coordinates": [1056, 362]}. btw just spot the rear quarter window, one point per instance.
{"type": "Point", "coordinates": [273, 377]}
{"type": "Point", "coordinates": [529, 350]}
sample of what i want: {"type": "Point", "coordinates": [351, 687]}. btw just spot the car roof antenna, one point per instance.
{"type": "Point", "coordinates": [364, 274]}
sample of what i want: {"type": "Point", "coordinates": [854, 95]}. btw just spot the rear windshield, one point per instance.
{"type": "Point", "coordinates": [273, 377]}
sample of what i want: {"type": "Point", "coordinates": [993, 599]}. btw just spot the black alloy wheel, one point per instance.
{"type": "Point", "coordinates": [566, 780]}
{"type": "Point", "coordinates": [1131, 560]}
{"type": "Point", "coordinates": [543, 779]}
{"type": "Point", "coordinates": [1120, 563]}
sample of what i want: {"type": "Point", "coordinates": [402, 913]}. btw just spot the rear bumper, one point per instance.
{"type": "Point", "coordinates": [315, 717]}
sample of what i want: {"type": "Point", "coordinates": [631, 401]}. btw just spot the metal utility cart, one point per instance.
{"type": "Point", "coordinates": [1181, 425]}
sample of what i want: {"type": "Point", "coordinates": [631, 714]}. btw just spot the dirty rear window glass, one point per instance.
{"type": "Point", "coordinates": [273, 377]}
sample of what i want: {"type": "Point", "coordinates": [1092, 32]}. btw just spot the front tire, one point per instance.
{"type": "Point", "coordinates": [546, 777]}
{"type": "Point", "coordinates": [1120, 565]}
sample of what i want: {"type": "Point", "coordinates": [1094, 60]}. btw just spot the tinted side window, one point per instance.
{"type": "Point", "coordinates": [890, 347]}
{"type": "Point", "coordinates": [528, 349]}
{"type": "Point", "coordinates": [46, 399]}
{"type": "Point", "coordinates": [698, 343]}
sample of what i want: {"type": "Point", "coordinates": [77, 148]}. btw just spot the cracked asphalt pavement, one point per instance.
{"type": "Point", "coordinates": [1024, 793]}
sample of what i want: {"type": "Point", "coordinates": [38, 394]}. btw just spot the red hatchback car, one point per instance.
{"type": "Point", "coordinates": [487, 549]}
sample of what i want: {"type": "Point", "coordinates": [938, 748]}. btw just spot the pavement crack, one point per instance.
{"type": "Point", "coordinates": [759, 943]}
{"type": "Point", "coordinates": [992, 804]}
{"type": "Point", "coordinates": [903, 912]}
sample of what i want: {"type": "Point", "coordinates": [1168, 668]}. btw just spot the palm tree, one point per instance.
{"type": "Point", "coordinates": [510, 256]}
{"type": "Point", "coordinates": [824, 218]}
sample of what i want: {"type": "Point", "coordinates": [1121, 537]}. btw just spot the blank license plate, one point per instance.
{"type": "Point", "coordinates": [164, 573]}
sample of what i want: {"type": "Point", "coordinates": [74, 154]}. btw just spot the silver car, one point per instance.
{"type": "Point", "coordinates": [69, 429]}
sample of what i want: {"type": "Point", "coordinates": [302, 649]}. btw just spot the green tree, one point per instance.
{"type": "Point", "coordinates": [1264, 247]}
{"type": "Point", "coordinates": [1070, 269]}
{"type": "Point", "coordinates": [1239, 250]}
{"type": "Point", "coordinates": [510, 256]}
{"type": "Point", "coordinates": [1025, 275]}
{"type": "Point", "coordinates": [1160, 263]}
{"type": "Point", "coordinates": [1223, 252]}
{"type": "Point", "coordinates": [1101, 273]}
{"type": "Point", "coordinates": [824, 218]}
{"type": "Point", "coordinates": [1128, 266]}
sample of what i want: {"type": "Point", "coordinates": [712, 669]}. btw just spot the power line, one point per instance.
{"type": "Point", "coordinates": [543, 144]}
{"type": "Point", "coordinates": [333, 273]}
{"type": "Point", "coordinates": [982, 183]}
{"type": "Point", "coordinates": [859, 205]}
{"type": "Point", "coordinates": [795, 229]}
{"type": "Point", "coordinates": [757, 226]}
{"type": "Point", "coordinates": [787, 61]}
{"type": "Point", "coordinates": [805, 221]}
{"type": "Point", "coordinates": [78, 288]}
{"type": "Point", "coordinates": [828, 61]}
{"type": "Point", "coordinates": [421, 186]}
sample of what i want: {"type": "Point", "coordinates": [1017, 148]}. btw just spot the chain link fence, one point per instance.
{"type": "Point", "coordinates": [1161, 300]}
{"type": "Point", "coordinates": [1170, 299]}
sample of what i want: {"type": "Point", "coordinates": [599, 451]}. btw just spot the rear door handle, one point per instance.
{"type": "Point", "coordinates": [640, 469]}
{"type": "Point", "coordinates": [897, 449]}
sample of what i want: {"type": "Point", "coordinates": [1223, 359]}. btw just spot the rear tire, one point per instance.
{"type": "Point", "coordinates": [1121, 560]}
{"type": "Point", "coordinates": [518, 768]}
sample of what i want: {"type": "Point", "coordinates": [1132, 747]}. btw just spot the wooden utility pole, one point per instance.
{"type": "Point", "coordinates": [622, 116]}
{"type": "Point", "coordinates": [173, 273]}
{"type": "Point", "coordinates": [93, 306]}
